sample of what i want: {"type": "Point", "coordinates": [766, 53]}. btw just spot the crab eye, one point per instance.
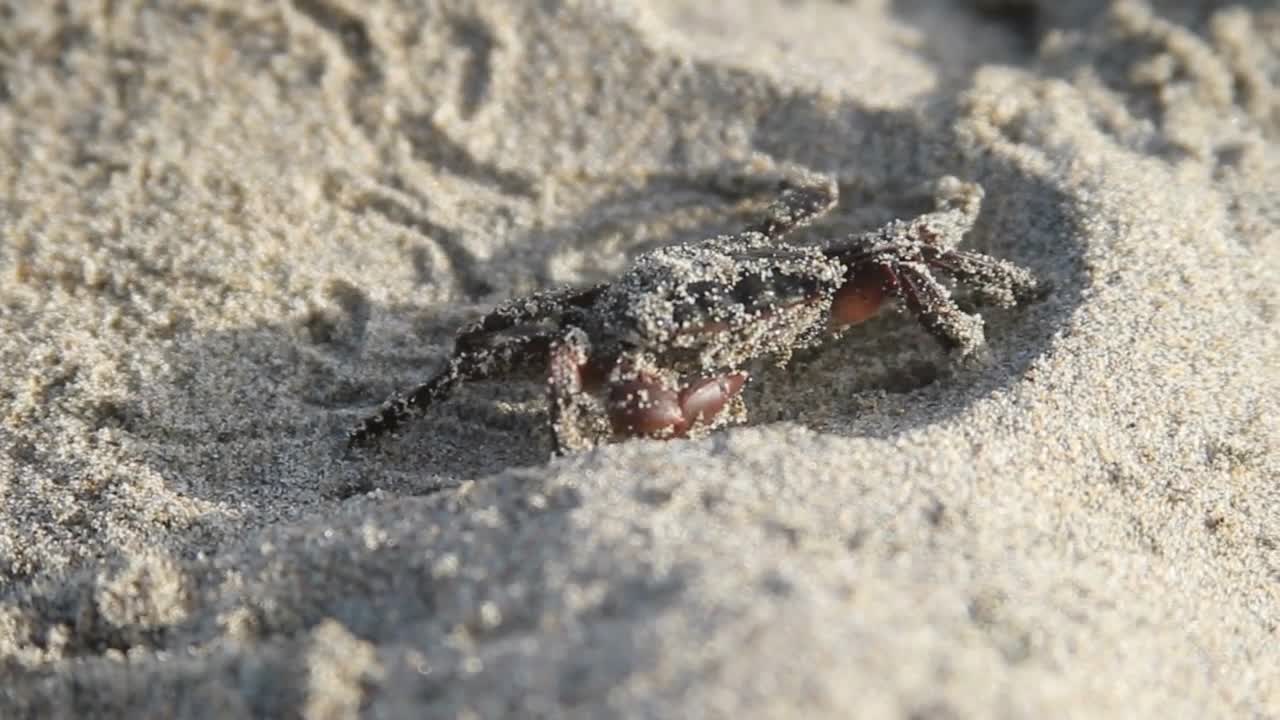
{"type": "Point", "coordinates": [701, 288]}
{"type": "Point", "coordinates": [751, 289]}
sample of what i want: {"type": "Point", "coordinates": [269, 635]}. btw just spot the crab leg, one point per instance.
{"type": "Point", "coordinates": [804, 199]}
{"type": "Point", "coordinates": [937, 312]}
{"type": "Point", "coordinates": [878, 270]}
{"type": "Point", "coordinates": [519, 311]}
{"type": "Point", "coordinates": [995, 280]}
{"type": "Point", "coordinates": [567, 400]}
{"type": "Point", "coordinates": [465, 365]}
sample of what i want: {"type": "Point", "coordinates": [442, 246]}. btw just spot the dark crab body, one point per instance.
{"type": "Point", "coordinates": [666, 342]}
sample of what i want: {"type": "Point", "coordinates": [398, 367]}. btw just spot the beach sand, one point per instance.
{"type": "Point", "coordinates": [228, 234]}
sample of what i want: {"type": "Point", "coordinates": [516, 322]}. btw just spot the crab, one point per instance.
{"type": "Point", "coordinates": [661, 351]}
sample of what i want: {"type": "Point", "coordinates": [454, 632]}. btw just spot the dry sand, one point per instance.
{"type": "Point", "coordinates": [225, 234]}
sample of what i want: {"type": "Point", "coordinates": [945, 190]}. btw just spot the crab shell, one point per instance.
{"type": "Point", "coordinates": [714, 305]}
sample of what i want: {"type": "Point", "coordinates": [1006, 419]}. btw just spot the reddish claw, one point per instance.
{"type": "Point", "coordinates": [646, 407]}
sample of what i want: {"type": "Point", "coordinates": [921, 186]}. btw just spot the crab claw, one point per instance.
{"type": "Point", "coordinates": [701, 401]}
{"type": "Point", "coordinates": [644, 406]}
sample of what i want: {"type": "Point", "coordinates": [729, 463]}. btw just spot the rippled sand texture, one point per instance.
{"type": "Point", "coordinates": [227, 233]}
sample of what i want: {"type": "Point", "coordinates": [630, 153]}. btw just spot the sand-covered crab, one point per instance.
{"type": "Point", "coordinates": [660, 352]}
